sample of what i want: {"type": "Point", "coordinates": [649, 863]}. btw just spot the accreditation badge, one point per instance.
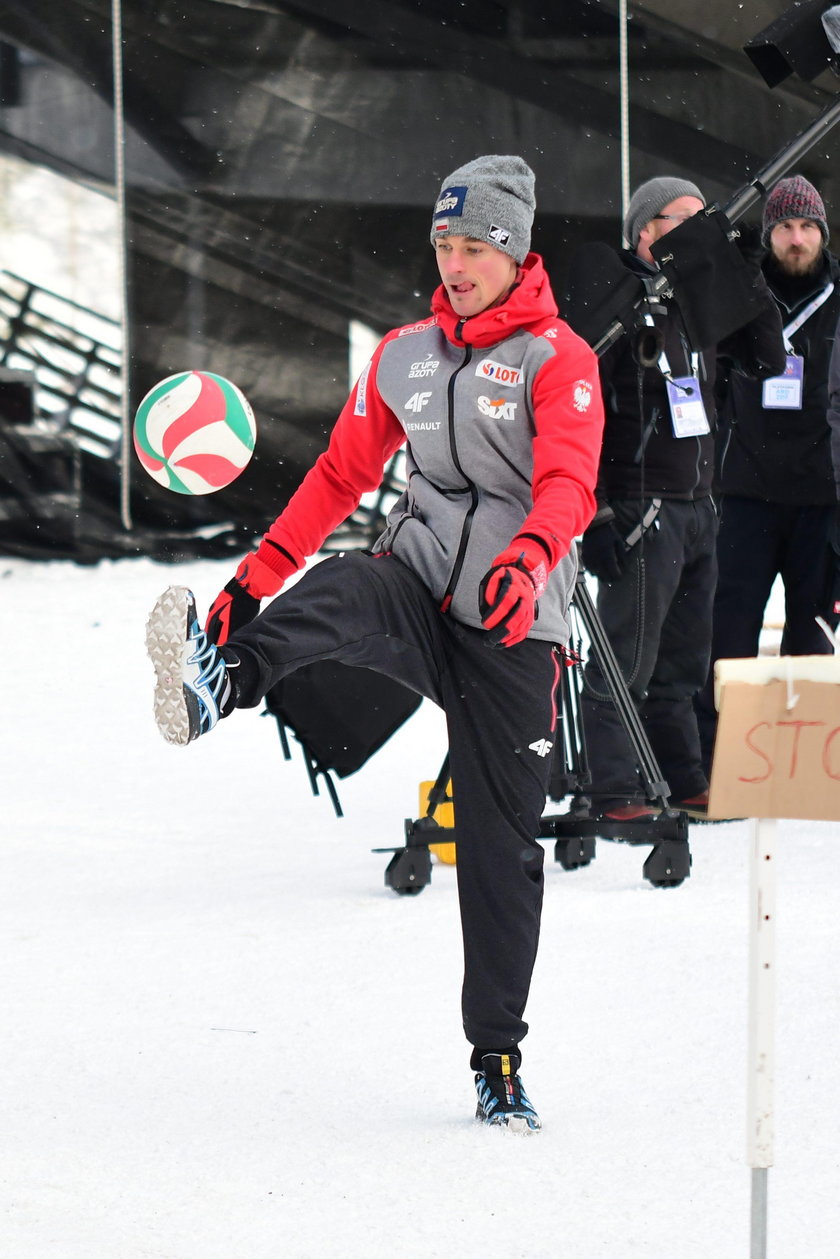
{"type": "Point", "coordinates": [784, 393]}
{"type": "Point", "coordinates": [688, 414]}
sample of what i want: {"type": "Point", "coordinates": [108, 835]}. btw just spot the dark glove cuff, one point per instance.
{"type": "Point", "coordinates": [603, 516]}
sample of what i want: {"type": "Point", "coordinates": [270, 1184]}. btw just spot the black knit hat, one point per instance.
{"type": "Point", "coordinates": [793, 198]}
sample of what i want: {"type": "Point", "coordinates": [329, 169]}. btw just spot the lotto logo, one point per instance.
{"type": "Point", "coordinates": [417, 401]}
{"type": "Point", "coordinates": [361, 393]}
{"type": "Point", "coordinates": [416, 327]}
{"type": "Point", "coordinates": [499, 373]}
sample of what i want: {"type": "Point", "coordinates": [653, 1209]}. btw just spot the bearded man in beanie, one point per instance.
{"type": "Point", "coordinates": [776, 486]}
{"type": "Point", "coordinates": [651, 544]}
{"type": "Point", "coordinates": [464, 597]}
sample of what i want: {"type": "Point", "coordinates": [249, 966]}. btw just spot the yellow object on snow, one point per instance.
{"type": "Point", "coordinates": [444, 815]}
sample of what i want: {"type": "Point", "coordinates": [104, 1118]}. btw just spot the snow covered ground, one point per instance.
{"type": "Point", "coordinates": [225, 1038]}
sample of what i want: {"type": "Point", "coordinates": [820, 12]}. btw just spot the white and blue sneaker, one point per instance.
{"type": "Point", "coordinates": [192, 686]}
{"type": "Point", "coordinates": [502, 1100]}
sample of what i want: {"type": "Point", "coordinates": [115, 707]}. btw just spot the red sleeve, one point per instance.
{"type": "Point", "coordinates": [569, 419]}
{"type": "Point", "coordinates": [366, 435]}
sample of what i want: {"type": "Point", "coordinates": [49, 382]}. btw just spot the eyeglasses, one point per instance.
{"type": "Point", "coordinates": [677, 218]}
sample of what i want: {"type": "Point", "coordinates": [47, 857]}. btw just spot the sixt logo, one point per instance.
{"type": "Point", "coordinates": [497, 408]}
{"type": "Point", "coordinates": [427, 368]}
{"type": "Point", "coordinates": [499, 373]}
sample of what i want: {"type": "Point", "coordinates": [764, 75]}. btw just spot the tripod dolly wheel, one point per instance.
{"type": "Point", "coordinates": [574, 852]}
{"type": "Point", "coordinates": [408, 871]}
{"type": "Point", "coordinates": [669, 863]}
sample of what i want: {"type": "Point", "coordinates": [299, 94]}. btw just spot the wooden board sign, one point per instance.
{"type": "Point", "coordinates": [777, 750]}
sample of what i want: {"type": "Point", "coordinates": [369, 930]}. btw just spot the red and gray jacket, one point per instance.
{"type": "Point", "coordinates": [501, 416]}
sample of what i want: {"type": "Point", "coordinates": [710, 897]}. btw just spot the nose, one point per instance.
{"type": "Point", "coordinates": [453, 263]}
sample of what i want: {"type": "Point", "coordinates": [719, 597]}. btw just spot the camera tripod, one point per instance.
{"type": "Point", "coordinates": [574, 832]}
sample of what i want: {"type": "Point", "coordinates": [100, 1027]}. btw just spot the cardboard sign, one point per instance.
{"type": "Point", "coordinates": [777, 750]}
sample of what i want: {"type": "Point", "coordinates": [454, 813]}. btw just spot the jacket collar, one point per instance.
{"type": "Point", "coordinates": [529, 302]}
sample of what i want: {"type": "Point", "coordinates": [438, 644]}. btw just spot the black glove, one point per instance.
{"type": "Point", "coordinates": [748, 241]}
{"type": "Point", "coordinates": [232, 608]}
{"type": "Point", "coordinates": [834, 532]}
{"type": "Point", "coordinates": [603, 550]}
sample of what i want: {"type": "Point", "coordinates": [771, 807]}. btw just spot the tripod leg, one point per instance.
{"type": "Point", "coordinates": [655, 785]}
{"type": "Point", "coordinates": [569, 770]}
{"type": "Point", "coordinates": [438, 794]}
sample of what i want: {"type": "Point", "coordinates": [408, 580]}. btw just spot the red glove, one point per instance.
{"type": "Point", "coordinates": [239, 602]}
{"type": "Point", "coordinates": [509, 590]}
{"type": "Point", "coordinates": [232, 608]}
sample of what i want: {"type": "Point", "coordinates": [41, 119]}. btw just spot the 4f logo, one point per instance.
{"type": "Point", "coordinates": [542, 747]}
{"type": "Point", "coordinates": [417, 401]}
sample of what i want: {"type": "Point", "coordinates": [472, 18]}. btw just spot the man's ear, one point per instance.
{"type": "Point", "coordinates": [647, 235]}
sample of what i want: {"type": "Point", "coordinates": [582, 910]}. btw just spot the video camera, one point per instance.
{"type": "Point", "coordinates": [701, 267]}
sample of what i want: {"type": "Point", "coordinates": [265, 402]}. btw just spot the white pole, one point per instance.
{"type": "Point", "coordinates": [762, 993]}
{"type": "Point", "coordinates": [119, 182]}
{"type": "Point", "coordinates": [624, 105]}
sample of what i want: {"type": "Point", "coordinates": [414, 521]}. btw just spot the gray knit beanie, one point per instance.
{"type": "Point", "coordinates": [490, 199]}
{"type": "Point", "coordinates": [650, 199]}
{"type": "Point", "coordinates": [793, 198]}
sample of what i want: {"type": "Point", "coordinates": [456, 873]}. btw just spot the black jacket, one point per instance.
{"type": "Point", "coordinates": [640, 454]}
{"type": "Point", "coordinates": [775, 455]}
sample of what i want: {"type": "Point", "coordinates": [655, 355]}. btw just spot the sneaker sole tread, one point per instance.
{"type": "Point", "coordinates": [165, 640]}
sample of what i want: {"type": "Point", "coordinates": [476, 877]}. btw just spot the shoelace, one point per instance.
{"type": "Point", "coordinates": [515, 1100]}
{"type": "Point", "coordinates": [212, 673]}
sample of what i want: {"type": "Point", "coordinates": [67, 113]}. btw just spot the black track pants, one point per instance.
{"type": "Point", "coordinates": [372, 611]}
{"type": "Point", "coordinates": [757, 542]}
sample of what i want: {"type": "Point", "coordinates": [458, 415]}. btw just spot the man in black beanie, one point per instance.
{"type": "Point", "coordinates": [774, 475]}
{"type": "Point", "coordinates": [463, 599]}
{"type": "Point", "coordinates": [651, 544]}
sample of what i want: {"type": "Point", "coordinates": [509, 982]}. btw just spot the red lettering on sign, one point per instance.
{"type": "Point", "coordinates": [827, 754]}
{"type": "Point", "coordinates": [796, 746]}
{"type": "Point", "coordinates": [797, 727]}
{"type": "Point", "coordinates": [760, 778]}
